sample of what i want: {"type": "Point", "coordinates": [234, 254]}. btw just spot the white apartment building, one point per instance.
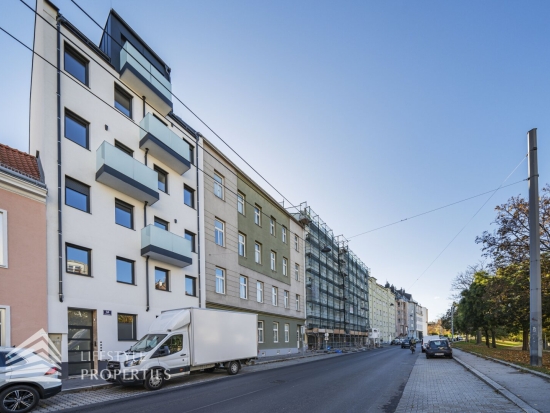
{"type": "Point", "coordinates": [382, 310]}
{"type": "Point", "coordinates": [124, 232]}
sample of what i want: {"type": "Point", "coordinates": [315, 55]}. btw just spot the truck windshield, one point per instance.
{"type": "Point", "coordinates": [147, 343]}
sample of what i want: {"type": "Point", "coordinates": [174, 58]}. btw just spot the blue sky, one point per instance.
{"type": "Point", "coordinates": [369, 111]}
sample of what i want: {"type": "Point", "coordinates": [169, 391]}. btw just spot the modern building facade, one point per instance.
{"type": "Point", "coordinates": [254, 255]}
{"type": "Point", "coordinates": [23, 303]}
{"type": "Point", "coordinates": [123, 226]}
{"type": "Point", "coordinates": [382, 310]}
{"type": "Point", "coordinates": [336, 286]}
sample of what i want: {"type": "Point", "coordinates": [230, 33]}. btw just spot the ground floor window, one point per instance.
{"type": "Point", "coordinates": [275, 332]}
{"type": "Point", "coordinates": [260, 331]}
{"type": "Point", "coordinates": [127, 327]}
{"type": "Point", "coordinates": [287, 333]}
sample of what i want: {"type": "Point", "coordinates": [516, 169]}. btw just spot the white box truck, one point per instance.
{"type": "Point", "coordinates": [185, 340]}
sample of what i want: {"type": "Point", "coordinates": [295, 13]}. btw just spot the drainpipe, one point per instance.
{"type": "Point", "coordinates": [197, 137]}
{"type": "Point", "coordinates": [146, 258]}
{"type": "Point", "coordinates": [146, 151]}
{"type": "Point", "coordinates": [59, 212]}
{"type": "Point", "coordinates": [143, 97]}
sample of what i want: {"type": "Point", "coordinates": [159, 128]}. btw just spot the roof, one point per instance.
{"type": "Point", "coordinates": [19, 162]}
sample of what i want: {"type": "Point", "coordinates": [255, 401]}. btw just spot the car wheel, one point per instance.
{"type": "Point", "coordinates": [451, 356]}
{"type": "Point", "coordinates": [427, 356]}
{"type": "Point", "coordinates": [154, 380]}
{"type": "Point", "coordinates": [233, 368]}
{"type": "Point", "coordinates": [19, 399]}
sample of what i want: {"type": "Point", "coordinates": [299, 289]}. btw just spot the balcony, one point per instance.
{"type": "Point", "coordinates": [120, 171]}
{"type": "Point", "coordinates": [145, 79]}
{"type": "Point", "coordinates": [162, 245]}
{"type": "Point", "coordinates": [164, 144]}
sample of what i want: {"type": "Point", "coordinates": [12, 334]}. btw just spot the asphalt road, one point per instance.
{"type": "Point", "coordinates": [370, 381]}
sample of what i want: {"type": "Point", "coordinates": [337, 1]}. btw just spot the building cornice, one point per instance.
{"type": "Point", "coordinates": [22, 187]}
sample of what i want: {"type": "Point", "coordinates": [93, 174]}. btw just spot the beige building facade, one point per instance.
{"type": "Point", "coordinates": [382, 310]}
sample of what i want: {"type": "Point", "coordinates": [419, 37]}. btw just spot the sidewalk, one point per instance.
{"type": "Point", "coordinates": [531, 390]}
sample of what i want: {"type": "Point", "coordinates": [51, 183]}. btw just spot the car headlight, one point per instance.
{"type": "Point", "coordinates": [134, 362]}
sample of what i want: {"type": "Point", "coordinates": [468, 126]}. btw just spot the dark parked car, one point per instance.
{"type": "Point", "coordinates": [439, 348]}
{"type": "Point", "coordinates": [405, 343]}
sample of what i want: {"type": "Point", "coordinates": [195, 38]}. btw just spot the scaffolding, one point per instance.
{"type": "Point", "coordinates": [336, 287]}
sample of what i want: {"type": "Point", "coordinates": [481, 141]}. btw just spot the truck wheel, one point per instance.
{"type": "Point", "coordinates": [233, 368]}
{"type": "Point", "coordinates": [154, 380]}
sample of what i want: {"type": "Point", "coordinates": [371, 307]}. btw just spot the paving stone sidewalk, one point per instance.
{"type": "Point", "coordinates": [530, 388]}
{"type": "Point", "coordinates": [443, 385]}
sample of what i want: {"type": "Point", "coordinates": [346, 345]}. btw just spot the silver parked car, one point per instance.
{"type": "Point", "coordinates": [25, 378]}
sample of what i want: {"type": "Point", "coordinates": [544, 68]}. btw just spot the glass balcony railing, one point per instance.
{"type": "Point", "coordinates": [125, 174]}
{"type": "Point", "coordinates": [164, 144]}
{"type": "Point", "coordinates": [165, 246]}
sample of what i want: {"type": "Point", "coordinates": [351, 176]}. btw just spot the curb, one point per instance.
{"type": "Point", "coordinates": [507, 363]}
{"type": "Point", "coordinates": [87, 388]}
{"type": "Point", "coordinates": [506, 393]}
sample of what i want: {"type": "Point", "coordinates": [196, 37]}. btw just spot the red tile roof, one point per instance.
{"type": "Point", "coordinates": [19, 162]}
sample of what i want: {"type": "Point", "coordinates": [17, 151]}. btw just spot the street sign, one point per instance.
{"type": "Point", "coordinates": [107, 312]}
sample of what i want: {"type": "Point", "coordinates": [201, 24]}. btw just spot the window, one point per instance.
{"type": "Point", "coordinates": [242, 245]}
{"type": "Point", "coordinates": [192, 154]}
{"type": "Point", "coordinates": [126, 327]}
{"type": "Point", "coordinates": [296, 272]}
{"type": "Point", "coordinates": [286, 299]}
{"type": "Point", "coordinates": [3, 239]}
{"type": "Point", "coordinates": [296, 242]}
{"type": "Point", "coordinates": [273, 261]}
{"type": "Point", "coordinates": [77, 194]}
{"type": "Point", "coordinates": [219, 232]}
{"type": "Point", "coordinates": [257, 215]}
{"type": "Point", "coordinates": [257, 253]}
{"type": "Point", "coordinates": [124, 148]}
{"type": "Point", "coordinates": [240, 203]}
{"type": "Point", "coordinates": [218, 185]}
{"type": "Point", "coordinates": [160, 223]}
{"type": "Point", "coordinates": [285, 266]}
{"type": "Point", "coordinates": [124, 214]}
{"type": "Point", "coordinates": [188, 196]}
{"type": "Point", "coordinates": [76, 129]}
{"type": "Point", "coordinates": [272, 226]}
{"type": "Point", "coordinates": [78, 260]}
{"type": "Point", "coordinates": [174, 343]}
{"type": "Point", "coordinates": [283, 234]}
{"type": "Point", "coordinates": [260, 331]}
{"type": "Point", "coordinates": [243, 284]}
{"type": "Point", "coordinates": [124, 271]}
{"type": "Point", "coordinates": [220, 281]}
{"type": "Point", "coordinates": [191, 237]}
{"type": "Point", "coordinates": [297, 302]}
{"type": "Point", "coordinates": [259, 291]}
{"type": "Point", "coordinates": [287, 333]}
{"type": "Point", "coordinates": [190, 286]}
{"type": "Point", "coordinates": [76, 65]}
{"type": "Point", "coordinates": [274, 295]}
{"type": "Point", "coordinates": [275, 332]}
{"type": "Point", "coordinates": [162, 179]}
{"type": "Point", "coordinates": [162, 279]}
{"type": "Point", "coordinates": [123, 101]}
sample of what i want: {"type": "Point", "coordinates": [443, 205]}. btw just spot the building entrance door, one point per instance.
{"type": "Point", "coordinates": [80, 341]}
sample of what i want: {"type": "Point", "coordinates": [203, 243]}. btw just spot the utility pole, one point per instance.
{"type": "Point", "coordinates": [453, 322]}
{"type": "Point", "coordinates": [534, 253]}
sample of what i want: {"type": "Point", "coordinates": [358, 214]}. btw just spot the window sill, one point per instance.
{"type": "Point", "coordinates": [164, 291]}
{"type": "Point", "coordinates": [129, 339]}
{"type": "Point", "coordinates": [191, 295]}
{"type": "Point", "coordinates": [76, 143]}
{"type": "Point", "coordinates": [77, 273]}
{"type": "Point", "coordinates": [124, 226]}
{"type": "Point", "coordinates": [125, 283]}
{"type": "Point", "coordinates": [78, 209]}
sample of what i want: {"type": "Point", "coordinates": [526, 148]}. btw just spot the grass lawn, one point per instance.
{"type": "Point", "coordinates": [506, 352]}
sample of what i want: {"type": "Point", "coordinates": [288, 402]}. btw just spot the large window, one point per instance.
{"type": "Point", "coordinates": [76, 64]}
{"type": "Point", "coordinates": [259, 291]}
{"type": "Point", "coordinates": [125, 271]}
{"type": "Point", "coordinates": [162, 279]}
{"type": "Point", "coordinates": [286, 299]}
{"type": "Point", "coordinates": [188, 196]}
{"type": "Point", "coordinates": [218, 185]}
{"type": "Point", "coordinates": [161, 223]}
{"type": "Point", "coordinates": [296, 272]}
{"type": "Point", "coordinates": [287, 333]}
{"type": "Point", "coordinates": [240, 203]}
{"type": "Point", "coordinates": [285, 267]}
{"type": "Point", "coordinates": [274, 296]}
{"type": "Point", "coordinates": [273, 261]}
{"type": "Point", "coordinates": [162, 179]}
{"type": "Point", "coordinates": [76, 129]}
{"type": "Point", "coordinates": [257, 215]}
{"type": "Point", "coordinates": [275, 332]}
{"type": "Point", "coordinates": [123, 101]}
{"type": "Point", "coordinates": [77, 194]}
{"type": "Point", "coordinates": [190, 286]}
{"type": "Point", "coordinates": [272, 226]}
{"type": "Point", "coordinates": [220, 281]}
{"type": "Point", "coordinates": [124, 214]}
{"type": "Point", "coordinates": [297, 302]}
{"type": "Point", "coordinates": [243, 287]}
{"type": "Point", "coordinates": [260, 331]}
{"type": "Point", "coordinates": [3, 239]}
{"type": "Point", "coordinates": [191, 237]}
{"type": "Point", "coordinates": [219, 230]}
{"type": "Point", "coordinates": [283, 234]}
{"type": "Point", "coordinates": [257, 253]}
{"type": "Point", "coordinates": [242, 245]}
{"type": "Point", "coordinates": [127, 327]}
{"type": "Point", "coordinates": [78, 260]}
